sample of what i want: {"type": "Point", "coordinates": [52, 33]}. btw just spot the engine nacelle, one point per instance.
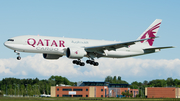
{"type": "Point", "coordinates": [51, 56]}
{"type": "Point", "coordinates": [75, 53]}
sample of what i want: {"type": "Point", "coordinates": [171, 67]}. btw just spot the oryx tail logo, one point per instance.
{"type": "Point", "coordinates": [150, 33]}
{"type": "Point", "coordinates": [76, 52]}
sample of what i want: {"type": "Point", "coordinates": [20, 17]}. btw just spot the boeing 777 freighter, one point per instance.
{"type": "Point", "coordinates": [73, 48]}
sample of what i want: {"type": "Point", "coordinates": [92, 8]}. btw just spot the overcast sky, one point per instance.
{"type": "Point", "coordinates": [120, 20]}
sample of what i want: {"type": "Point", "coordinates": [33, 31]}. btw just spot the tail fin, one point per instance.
{"type": "Point", "coordinates": [151, 31]}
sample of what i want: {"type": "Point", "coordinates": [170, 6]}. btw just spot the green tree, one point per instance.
{"type": "Point", "coordinates": [176, 82]}
{"type": "Point", "coordinates": [170, 81]}
{"type": "Point", "coordinates": [52, 82]}
{"type": "Point", "coordinates": [1, 93]}
{"type": "Point", "coordinates": [135, 83]}
{"type": "Point", "coordinates": [10, 90]}
{"type": "Point", "coordinates": [109, 79]}
{"type": "Point", "coordinates": [137, 95]}
{"type": "Point", "coordinates": [127, 93]}
{"type": "Point", "coordinates": [145, 82]}
{"type": "Point", "coordinates": [157, 83]}
{"type": "Point", "coordinates": [35, 81]}
{"type": "Point", "coordinates": [114, 80]}
{"type": "Point", "coordinates": [119, 78]}
{"type": "Point", "coordinates": [123, 93]}
{"type": "Point", "coordinates": [133, 86]}
{"type": "Point", "coordinates": [59, 80]}
{"type": "Point", "coordinates": [66, 81]}
{"type": "Point", "coordinates": [22, 90]}
{"type": "Point", "coordinates": [130, 94]}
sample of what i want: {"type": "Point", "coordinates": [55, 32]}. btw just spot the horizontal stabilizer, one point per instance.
{"type": "Point", "coordinates": [155, 49]}
{"type": "Point", "coordinates": [159, 48]}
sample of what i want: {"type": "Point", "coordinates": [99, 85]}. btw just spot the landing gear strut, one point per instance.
{"type": "Point", "coordinates": [78, 62]}
{"type": "Point", "coordinates": [19, 57]}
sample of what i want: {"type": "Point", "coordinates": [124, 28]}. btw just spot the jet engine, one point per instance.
{"type": "Point", "coordinates": [75, 53]}
{"type": "Point", "coordinates": [51, 56]}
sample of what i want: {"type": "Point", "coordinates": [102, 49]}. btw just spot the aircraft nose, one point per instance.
{"type": "Point", "coordinates": [5, 43]}
{"type": "Point", "coordinates": [9, 43]}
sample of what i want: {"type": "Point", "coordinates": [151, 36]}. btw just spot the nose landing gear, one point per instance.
{"type": "Point", "coordinates": [19, 57]}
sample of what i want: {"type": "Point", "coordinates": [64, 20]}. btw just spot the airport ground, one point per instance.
{"type": "Point", "coordinates": [83, 99]}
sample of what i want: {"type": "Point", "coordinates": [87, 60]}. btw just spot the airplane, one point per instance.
{"type": "Point", "coordinates": [74, 48]}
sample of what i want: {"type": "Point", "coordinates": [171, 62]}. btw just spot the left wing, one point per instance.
{"type": "Point", "coordinates": [100, 49]}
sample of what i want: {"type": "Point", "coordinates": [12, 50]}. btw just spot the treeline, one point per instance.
{"type": "Point", "coordinates": [31, 87]}
{"type": "Point", "coordinates": [169, 82]}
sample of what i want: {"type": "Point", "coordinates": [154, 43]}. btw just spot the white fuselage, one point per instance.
{"type": "Point", "coordinates": [58, 45]}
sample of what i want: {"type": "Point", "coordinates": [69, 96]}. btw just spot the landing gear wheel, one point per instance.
{"type": "Point", "coordinates": [18, 58]}
{"type": "Point", "coordinates": [96, 64]}
{"type": "Point", "coordinates": [82, 64]}
{"type": "Point", "coordinates": [78, 62]}
{"type": "Point", "coordinates": [88, 61]}
{"type": "Point", "coordinates": [74, 61]}
{"type": "Point", "coordinates": [91, 62]}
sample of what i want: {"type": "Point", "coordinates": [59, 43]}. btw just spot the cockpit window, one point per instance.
{"type": "Point", "coordinates": [10, 39]}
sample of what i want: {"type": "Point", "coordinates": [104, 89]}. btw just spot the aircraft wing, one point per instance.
{"type": "Point", "coordinates": [101, 48]}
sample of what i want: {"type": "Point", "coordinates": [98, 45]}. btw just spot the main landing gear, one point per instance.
{"type": "Point", "coordinates": [91, 62]}
{"type": "Point", "coordinates": [78, 62]}
{"type": "Point", "coordinates": [19, 57]}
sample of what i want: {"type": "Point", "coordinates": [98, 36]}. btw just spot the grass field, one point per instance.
{"type": "Point", "coordinates": [81, 99]}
